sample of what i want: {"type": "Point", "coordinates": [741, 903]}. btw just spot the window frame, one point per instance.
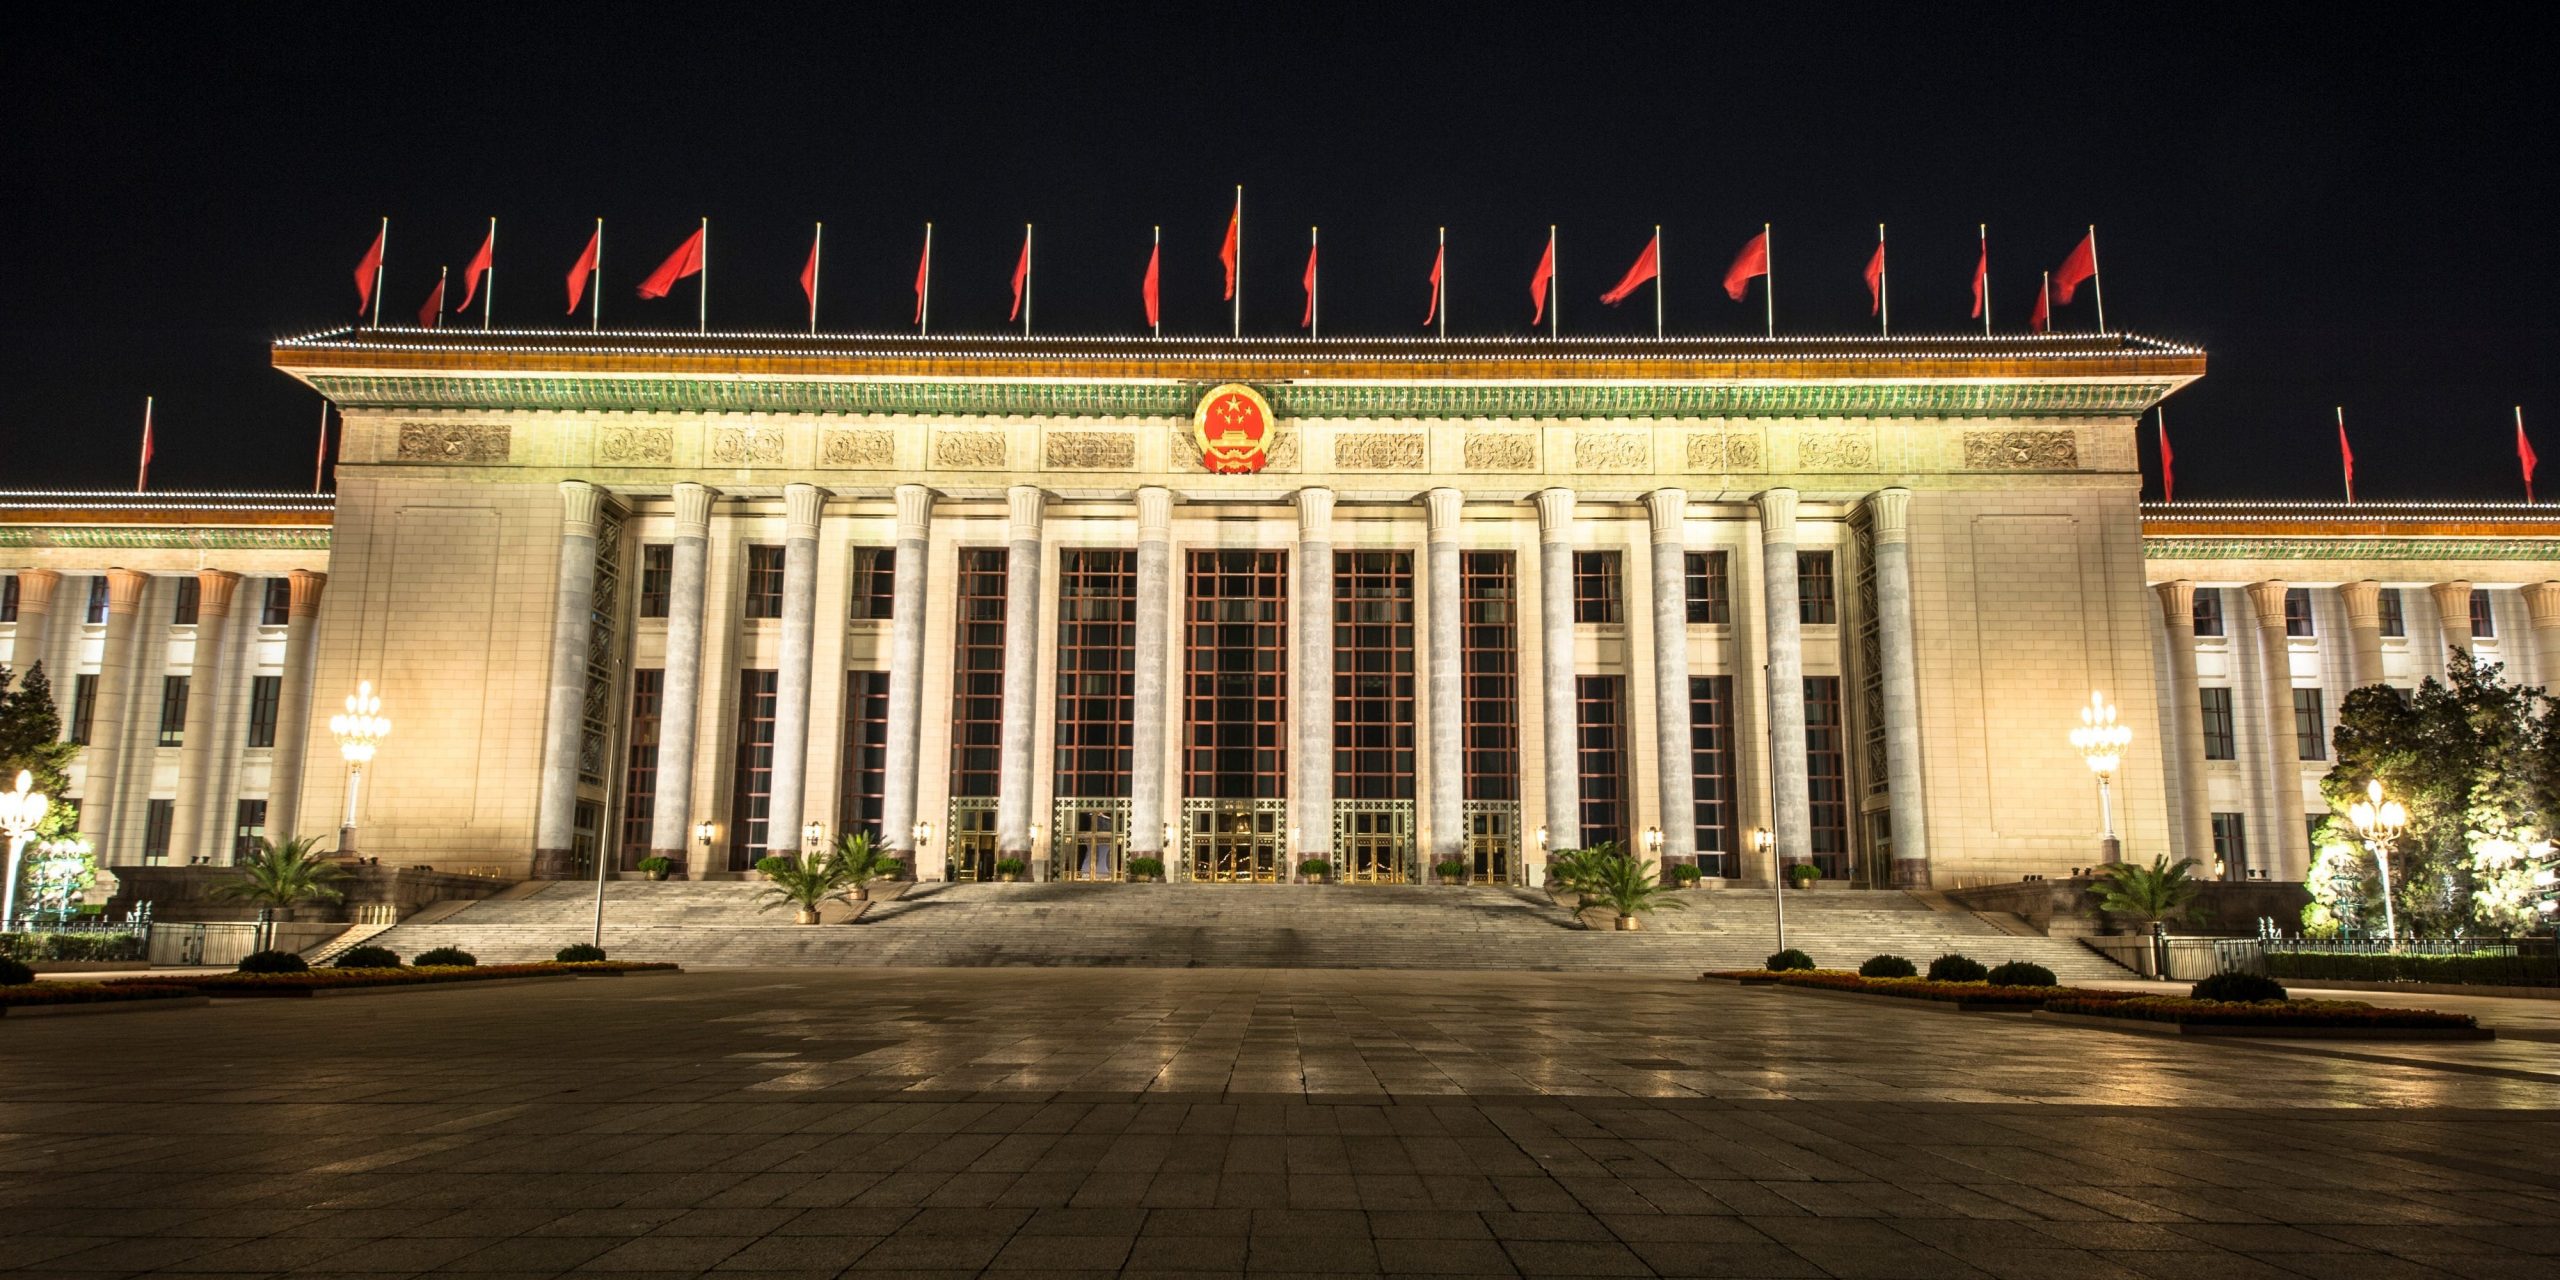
{"type": "Point", "coordinates": [2218, 722]}
{"type": "Point", "coordinates": [761, 581]}
{"type": "Point", "coordinates": [1817, 588]}
{"type": "Point", "coordinates": [1708, 581]}
{"type": "Point", "coordinates": [2206, 614]}
{"type": "Point", "coordinates": [1599, 588]}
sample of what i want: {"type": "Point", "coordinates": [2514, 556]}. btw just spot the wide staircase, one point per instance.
{"type": "Point", "coordinates": [1224, 926]}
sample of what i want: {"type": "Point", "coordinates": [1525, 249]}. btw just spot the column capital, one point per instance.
{"type": "Point", "coordinates": [1670, 510]}
{"type": "Point", "coordinates": [1891, 511]}
{"type": "Point", "coordinates": [1555, 515]}
{"type": "Point", "coordinates": [2541, 600]}
{"type": "Point", "coordinates": [1315, 514]}
{"type": "Point", "coordinates": [578, 505]}
{"type": "Point", "coordinates": [2177, 603]}
{"type": "Point", "coordinates": [214, 588]}
{"type": "Point", "coordinates": [1777, 515]}
{"type": "Point", "coordinates": [2364, 603]}
{"type": "Point", "coordinates": [915, 512]}
{"type": "Point", "coordinates": [35, 590]}
{"type": "Point", "coordinates": [1024, 505]}
{"type": "Point", "coordinates": [1445, 506]}
{"type": "Point", "coordinates": [124, 590]}
{"type": "Point", "coordinates": [801, 504]}
{"type": "Point", "coordinates": [305, 585]}
{"type": "Point", "coordinates": [2266, 599]}
{"type": "Point", "coordinates": [693, 509]}
{"type": "Point", "coordinates": [1155, 514]}
{"type": "Point", "coordinates": [2452, 598]}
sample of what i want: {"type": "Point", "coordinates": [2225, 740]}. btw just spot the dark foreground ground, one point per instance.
{"type": "Point", "coordinates": [804, 1123]}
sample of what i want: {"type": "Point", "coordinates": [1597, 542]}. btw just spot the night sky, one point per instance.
{"type": "Point", "coordinates": [2341, 212]}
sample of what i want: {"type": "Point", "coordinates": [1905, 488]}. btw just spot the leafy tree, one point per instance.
{"type": "Point", "coordinates": [284, 875]}
{"type": "Point", "coordinates": [30, 733]}
{"type": "Point", "coordinates": [2159, 892]}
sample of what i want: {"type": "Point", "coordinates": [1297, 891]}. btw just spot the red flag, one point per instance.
{"type": "Point", "coordinates": [1021, 275]}
{"type": "Point", "coordinates": [924, 273]}
{"type": "Point", "coordinates": [367, 267]}
{"type": "Point", "coordinates": [1308, 320]}
{"type": "Point", "coordinates": [1648, 264]}
{"type": "Point", "coordinates": [583, 268]}
{"type": "Point", "coordinates": [1439, 262]}
{"type": "Point", "coordinates": [2168, 462]}
{"type": "Point", "coordinates": [2082, 264]}
{"type": "Point", "coordinates": [433, 312]}
{"type": "Point", "coordinates": [1540, 283]}
{"type": "Point", "coordinates": [685, 261]}
{"type": "Point", "coordinates": [1227, 251]}
{"type": "Point", "coordinates": [1147, 290]}
{"type": "Point", "coordinates": [1752, 261]}
{"type": "Point", "coordinates": [2524, 454]}
{"type": "Point", "coordinates": [2346, 455]}
{"type": "Point", "coordinates": [1875, 279]}
{"type": "Point", "coordinates": [1981, 276]}
{"type": "Point", "coordinates": [142, 479]}
{"type": "Point", "coordinates": [2042, 315]}
{"type": "Point", "coordinates": [809, 274]}
{"type": "Point", "coordinates": [479, 266]}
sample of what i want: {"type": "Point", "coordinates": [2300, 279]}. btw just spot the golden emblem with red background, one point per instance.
{"type": "Point", "coordinates": [1233, 427]}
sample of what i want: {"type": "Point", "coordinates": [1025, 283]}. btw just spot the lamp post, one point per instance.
{"type": "Point", "coordinates": [59, 863]}
{"type": "Point", "coordinates": [812, 836]}
{"type": "Point", "coordinates": [359, 730]}
{"type": "Point", "coordinates": [922, 835]}
{"type": "Point", "coordinates": [702, 833]}
{"type": "Point", "coordinates": [2101, 743]}
{"type": "Point", "coordinates": [21, 808]}
{"type": "Point", "coordinates": [1763, 840]}
{"type": "Point", "coordinates": [2380, 822]}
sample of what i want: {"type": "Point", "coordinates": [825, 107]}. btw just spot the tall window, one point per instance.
{"type": "Point", "coordinates": [1097, 672]}
{"type": "Point", "coordinates": [2297, 611]}
{"type": "Point", "coordinates": [1491, 689]}
{"type": "Point", "coordinates": [1236, 670]}
{"type": "Point", "coordinates": [2394, 623]}
{"type": "Point", "coordinates": [277, 609]}
{"type": "Point", "coordinates": [2221, 738]}
{"type": "Point", "coordinates": [977, 674]}
{"type": "Point", "coordinates": [1827, 775]}
{"type": "Point", "coordinates": [156, 819]}
{"type": "Point", "coordinates": [2208, 611]}
{"type": "Point", "coordinates": [2310, 724]}
{"type": "Point", "coordinates": [98, 600]}
{"type": "Point", "coordinates": [764, 581]}
{"type": "Point", "coordinates": [173, 711]}
{"type": "Point", "coordinates": [1816, 592]}
{"type": "Point", "coordinates": [84, 707]}
{"type": "Point", "coordinates": [751, 786]}
{"type": "Point", "coordinates": [265, 693]}
{"type": "Point", "coordinates": [1601, 745]}
{"type": "Point", "coordinates": [2231, 842]}
{"type": "Point", "coordinates": [248, 827]}
{"type": "Point", "coordinates": [875, 583]}
{"type": "Point", "coordinates": [9, 598]}
{"type": "Point", "coordinates": [657, 578]}
{"type": "Point", "coordinates": [1596, 596]}
{"type": "Point", "coordinates": [2484, 620]}
{"type": "Point", "coordinates": [640, 767]}
{"type": "Point", "coordinates": [1373, 675]}
{"type": "Point", "coordinates": [862, 798]}
{"type": "Point", "coordinates": [1710, 599]}
{"type": "Point", "coordinates": [1712, 767]}
{"type": "Point", "coordinates": [190, 607]}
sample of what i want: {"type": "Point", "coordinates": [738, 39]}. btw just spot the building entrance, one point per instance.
{"type": "Point", "coordinates": [1373, 841]}
{"type": "Point", "coordinates": [1235, 841]}
{"type": "Point", "coordinates": [1090, 840]}
{"type": "Point", "coordinates": [1235, 771]}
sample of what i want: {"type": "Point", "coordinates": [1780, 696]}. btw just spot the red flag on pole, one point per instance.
{"type": "Point", "coordinates": [1147, 290]}
{"type": "Point", "coordinates": [1021, 276]}
{"type": "Point", "coordinates": [1648, 264]}
{"type": "Point", "coordinates": [924, 272]}
{"type": "Point", "coordinates": [2524, 454]}
{"type": "Point", "coordinates": [433, 312]}
{"type": "Point", "coordinates": [320, 461]}
{"type": "Point", "coordinates": [685, 261]}
{"type": "Point", "coordinates": [1541, 281]}
{"type": "Point", "coordinates": [1308, 320]}
{"type": "Point", "coordinates": [2082, 264]}
{"type": "Point", "coordinates": [1875, 278]}
{"type": "Point", "coordinates": [478, 267]}
{"type": "Point", "coordinates": [1982, 278]}
{"type": "Point", "coordinates": [1227, 251]}
{"type": "Point", "coordinates": [2346, 455]}
{"type": "Point", "coordinates": [2042, 315]}
{"type": "Point", "coordinates": [809, 273]}
{"type": "Point", "coordinates": [142, 480]}
{"type": "Point", "coordinates": [1752, 261]}
{"type": "Point", "coordinates": [1439, 263]}
{"type": "Point", "coordinates": [2168, 462]}
{"type": "Point", "coordinates": [583, 268]}
{"type": "Point", "coordinates": [369, 268]}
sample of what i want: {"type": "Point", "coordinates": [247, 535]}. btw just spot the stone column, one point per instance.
{"type": "Point", "coordinates": [1314, 664]}
{"type": "Point", "coordinates": [1147, 815]}
{"type": "Point", "coordinates": [1790, 787]}
{"type": "Point", "coordinates": [1023, 505]}
{"type": "Point", "coordinates": [2453, 613]}
{"type": "Point", "coordinates": [105, 751]}
{"type": "Point", "coordinates": [680, 700]}
{"type": "Point", "coordinates": [196, 758]}
{"type": "Point", "coordinates": [1675, 756]}
{"type": "Point", "coordinates": [906, 672]}
{"type": "Point", "coordinates": [2542, 603]}
{"type": "Point", "coordinates": [1555, 650]}
{"type": "Point", "coordinates": [1898, 647]}
{"type": "Point", "coordinates": [572, 620]}
{"type": "Point", "coordinates": [2364, 632]}
{"type": "Point", "coordinates": [35, 614]}
{"type": "Point", "coordinates": [2186, 725]}
{"type": "Point", "coordinates": [801, 504]}
{"type": "Point", "coordinates": [1445, 684]}
{"type": "Point", "coordinates": [2292, 845]}
{"type": "Point", "coordinates": [293, 705]}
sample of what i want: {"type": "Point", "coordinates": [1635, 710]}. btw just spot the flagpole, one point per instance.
{"type": "Point", "coordinates": [1444, 282]}
{"type": "Point", "coordinates": [702, 297]}
{"type": "Point", "coordinates": [1769, 277]}
{"type": "Point", "coordinates": [1657, 282]}
{"type": "Point", "coordinates": [2160, 423]}
{"type": "Point", "coordinates": [1986, 279]}
{"type": "Point", "coordinates": [1315, 312]}
{"type": "Point", "coordinates": [384, 240]}
{"type": "Point", "coordinates": [817, 247]}
{"type": "Point", "coordinates": [2044, 295]}
{"type": "Point", "coordinates": [489, 279]}
{"type": "Point", "coordinates": [2097, 281]}
{"type": "Point", "coordinates": [595, 283]}
{"type": "Point", "coordinates": [1884, 283]}
{"type": "Point", "coordinates": [443, 274]}
{"type": "Point", "coordinates": [1555, 296]}
{"type": "Point", "coordinates": [320, 462]}
{"type": "Point", "coordinates": [2523, 445]}
{"type": "Point", "coordinates": [1155, 320]}
{"type": "Point", "coordinates": [924, 300]}
{"type": "Point", "coordinates": [1026, 279]}
{"type": "Point", "coordinates": [2346, 469]}
{"type": "Point", "coordinates": [1239, 298]}
{"type": "Point", "coordinates": [142, 476]}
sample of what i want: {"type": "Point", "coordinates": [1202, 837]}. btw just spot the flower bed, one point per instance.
{"type": "Point", "coordinates": [252, 985]}
{"type": "Point", "coordinates": [50, 996]}
{"type": "Point", "coordinates": [1966, 996]}
{"type": "Point", "coordinates": [2319, 1019]}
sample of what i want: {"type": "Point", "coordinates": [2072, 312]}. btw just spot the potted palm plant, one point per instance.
{"type": "Point", "coordinates": [865, 859]}
{"type": "Point", "coordinates": [284, 876]}
{"type": "Point", "coordinates": [656, 866]}
{"type": "Point", "coordinates": [803, 881]}
{"type": "Point", "coordinates": [1628, 887]}
{"type": "Point", "coordinates": [2157, 894]}
{"type": "Point", "coordinates": [1451, 871]}
{"type": "Point", "coordinates": [1802, 875]}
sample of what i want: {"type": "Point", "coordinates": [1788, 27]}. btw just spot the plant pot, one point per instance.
{"type": "Point", "coordinates": [808, 915]}
{"type": "Point", "coordinates": [657, 875]}
{"type": "Point", "coordinates": [1004, 877]}
{"type": "Point", "coordinates": [861, 893]}
{"type": "Point", "coordinates": [1629, 924]}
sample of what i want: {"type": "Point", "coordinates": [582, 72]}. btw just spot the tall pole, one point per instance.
{"type": "Point", "coordinates": [2521, 442]}
{"type": "Point", "coordinates": [1444, 286]}
{"type": "Point", "coordinates": [817, 246]}
{"type": "Point", "coordinates": [1884, 284]}
{"type": "Point", "coordinates": [1238, 309]}
{"type": "Point", "coordinates": [595, 283]}
{"type": "Point", "coordinates": [1315, 318]}
{"type": "Point", "coordinates": [383, 240]}
{"type": "Point", "coordinates": [924, 296]}
{"type": "Point", "coordinates": [142, 474]}
{"type": "Point", "coordinates": [702, 296]}
{"type": "Point", "coordinates": [1555, 296]}
{"type": "Point", "coordinates": [2097, 278]}
{"type": "Point", "coordinates": [320, 463]}
{"type": "Point", "coordinates": [489, 278]}
{"type": "Point", "coordinates": [1657, 281]}
{"type": "Point", "coordinates": [1986, 279]}
{"type": "Point", "coordinates": [1155, 315]}
{"type": "Point", "coordinates": [1026, 279]}
{"type": "Point", "coordinates": [1769, 281]}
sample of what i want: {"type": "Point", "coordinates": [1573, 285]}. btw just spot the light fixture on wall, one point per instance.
{"type": "Point", "coordinates": [813, 836]}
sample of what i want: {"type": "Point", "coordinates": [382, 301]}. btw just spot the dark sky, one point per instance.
{"type": "Point", "coordinates": [2342, 211]}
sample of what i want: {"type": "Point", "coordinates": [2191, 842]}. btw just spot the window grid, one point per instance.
{"type": "Point", "coordinates": [265, 694]}
{"type": "Point", "coordinates": [98, 600]}
{"type": "Point", "coordinates": [1373, 709]}
{"type": "Point", "coordinates": [84, 706]}
{"type": "Point", "coordinates": [1817, 602]}
{"type": "Point", "coordinates": [2208, 612]}
{"type": "Point", "coordinates": [1097, 672]}
{"type": "Point", "coordinates": [657, 578]}
{"type": "Point", "coordinates": [875, 584]}
{"type": "Point", "coordinates": [1601, 752]}
{"type": "Point", "coordinates": [248, 828]}
{"type": "Point", "coordinates": [2484, 620]}
{"type": "Point", "coordinates": [2395, 624]}
{"type": "Point", "coordinates": [2231, 843]}
{"type": "Point", "coordinates": [1491, 665]}
{"type": "Point", "coordinates": [1827, 776]}
{"type": "Point", "coordinates": [2310, 724]}
{"type": "Point", "coordinates": [1236, 667]}
{"type": "Point", "coordinates": [751, 784]}
{"type": "Point", "coordinates": [977, 673]}
{"type": "Point", "coordinates": [640, 766]}
{"type": "Point", "coordinates": [863, 797]}
{"type": "Point", "coordinates": [2297, 612]}
{"type": "Point", "coordinates": [9, 598]}
{"type": "Point", "coordinates": [1711, 755]}
{"type": "Point", "coordinates": [1710, 588]}
{"type": "Point", "coordinates": [2221, 737]}
{"type": "Point", "coordinates": [189, 610]}
{"type": "Point", "coordinates": [173, 711]}
{"type": "Point", "coordinates": [277, 609]}
{"type": "Point", "coordinates": [157, 818]}
{"type": "Point", "coordinates": [764, 581]}
{"type": "Point", "coordinates": [1596, 591]}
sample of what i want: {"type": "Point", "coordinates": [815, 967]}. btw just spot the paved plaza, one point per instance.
{"type": "Point", "coordinates": [818, 1123]}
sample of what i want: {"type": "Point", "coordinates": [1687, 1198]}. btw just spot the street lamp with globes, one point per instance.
{"type": "Point", "coordinates": [359, 729]}
{"type": "Point", "coordinates": [2380, 822]}
{"type": "Point", "coordinates": [22, 810]}
{"type": "Point", "coordinates": [2101, 743]}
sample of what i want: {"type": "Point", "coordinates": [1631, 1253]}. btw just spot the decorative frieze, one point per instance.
{"type": "Point", "coordinates": [1089, 451]}
{"type": "Point", "coordinates": [1281, 447]}
{"type": "Point", "coordinates": [143, 538]}
{"type": "Point", "coordinates": [969, 450]}
{"type": "Point", "coordinates": [1501, 451]}
{"type": "Point", "coordinates": [456, 442]}
{"type": "Point", "coordinates": [746, 446]}
{"type": "Point", "coordinates": [629, 445]}
{"type": "Point", "coordinates": [2175, 547]}
{"type": "Point", "coordinates": [1725, 451]}
{"type": "Point", "coordinates": [2021, 451]}
{"type": "Point", "coordinates": [871, 447]}
{"type": "Point", "coordinates": [1835, 451]}
{"type": "Point", "coordinates": [1380, 451]}
{"type": "Point", "coordinates": [1611, 451]}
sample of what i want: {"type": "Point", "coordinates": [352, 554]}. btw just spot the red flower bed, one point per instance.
{"type": "Point", "coordinates": [2291, 1013]}
{"type": "Point", "coordinates": [291, 984]}
{"type": "Point", "coordinates": [37, 993]}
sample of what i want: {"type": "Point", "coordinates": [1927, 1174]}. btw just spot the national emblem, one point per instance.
{"type": "Point", "coordinates": [1233, 428]}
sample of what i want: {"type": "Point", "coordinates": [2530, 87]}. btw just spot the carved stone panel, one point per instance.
{"type": "Point", "coordinates": [1379, 451]}
{"type": "Point", "coordinates": [453, 442]}
{"type": "Point", "coordinates": [1501, 451]}
{"type": "Point", "coordinates": [1610, 451]}
{"type": "Point", "coordinates": [872, 447]}
{"type": "Point", "coordinates": [628, 445]}
{"type": "Point", "coordinates": [1835, 451]}
{"type": "Point", "coordinates": [2021, 451]}
{"type": "Point", "coordinates": [1089, 450]}
{"type": "Point", "coordinates": [746, 446]}
{"type": "Point", "coordinates": [969, 450]}
{"type": "Point", "coordinates": [1722, 451]}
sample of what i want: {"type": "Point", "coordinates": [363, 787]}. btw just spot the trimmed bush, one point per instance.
{"type": "Point", "coordinates": [1888, 967]}
{"type": "Point", "coordinates": [1146, 868]}
{"type": "Point", "coordinates": [579, 953]}
{"type": "Point", "coordinates": [1011, 866]}
{"type": "Point", "coordinates": [1803, 874]}
{"type": "Point", "coordinates": [2019, 973]}
{"type": "Point", "coordinates": [367, 958]}
{"type": "Point", "coordinates": [446, 958]}
{"type": "Point", "coordinates": [1453, 869]}
{"type": "Point", "coordinates": [1789, 959]}
{"type": "Point", "coordinates": [14, 974]}
{"type": "Point", "coordinates": [2477, 967]}
{"type": "Point", "coordinates": [1685, 875]}
{"type": "Point", "coordinates": [1313, 868]}
{"type": "Point", "coordinates": [273, 962]}
{"type": "Point", "coordinates": [2237, 988]}
{"type": "Point", "coordinates": [1954, 967]}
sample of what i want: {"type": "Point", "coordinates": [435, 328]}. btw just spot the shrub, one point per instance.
{"type": "Point", "coordinates": [1888, 967]}
{"type": "Point", "coordinates": [579, 953]}
{"type": "Point", "coordinates": [1011, 866]}
{"type": "Point", "coordinates": [1146, 868]}
{"type": "Point", "coordinates": [2237, 988]}
{"type": "Point", "coordinates": [1453, 869]}
{"type": "Point", "coordinates": [1952, 967]}
{"type": "Point", "coordinates": [2477, 967]}
{"type": "Point", "coordinates": [656, 865]}
{"type": "Point", "coordinates": [2019, 973]}
{"type": "Point", "coordinates": [1789, 959]}
{"type": "Point", "coordinates": [1314, 867]}
{"type": "Point", "coordinates": [14, 974]}
{"type": "Point", "coordinates": [368, 958]}
{"type": "Point", "coordinates": [1803, 874]}
{"type": "Point", "coordinates": [272, 962]}
{"type": "Point", "coordinates": [1685, 875]}
{"type": "Point", "coordinates": [446, 958]}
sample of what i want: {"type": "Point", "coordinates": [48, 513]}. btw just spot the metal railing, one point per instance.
{"type": "Point", "coordinates": [33, 939]}
{"type": "Point", "coordinates": [2488, 960]}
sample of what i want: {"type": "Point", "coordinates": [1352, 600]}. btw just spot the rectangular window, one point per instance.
{"type": "Point", "coordinates": [1712, 767]}
{"type": "Point", "coordinates": [157, 817]}
{"type": "Point", "coordinates": [2394, 624]}
{"type": "Point", "coordinates": [190, 606]}
{"type": "Point", "coordinates": [265, 694]}
{"type": "Point", "coordinates": [1097, 672]}
{"type": "Point", "coordinates": [875, 583]}
{"type": "Point", "coordinates": [1373, 712]}
{"type": "Point", "coordinates": [1827, 775]}
{"type": "Point", "coordinates": [2297, 611]}
{"type": "Point", "coordinates": [1491, 669]}
{"type": "Point", "coordinates": [863, 798]}
{"type": "Point", "coordinates": [1816, 601]}
{"type": "Point", "coordinates": [1236, 670]}
{"type": "Point", "coordinates": [1601, 745]}
{"type": "Point", "coordinates": [2484, 620]}
{"type": "Point", "coordinates": [657, 577]}
{"type": "Point", "coordinates": [248, 828]}
{"type": "Point", "coordinates": [278, 609]}
{"type": "Point", "coordinates": [173, 711]}
{"type": "Point", "coordinates": [977, 673]}
{"type": "Point", "coordinates": [84, 706]}
{"type": "Point", "coordinates": [2208, 612]}
{"type": "Point", "coordinates": [2221, 739]}
{"type": "Point", "coordinates": [764, 581]}
{"type": "Point", "coordinates": [1596, 597]}
{"type": "Point", "coordinates": [751, 784]}
{"type": "Point", "coordinates": [1710, 599]}
{"type": "Point", "coordinates": [2310, 724]}
{"type": "Point", "coordinates": [9, 598]}
{"type": "Point", "coordinates": [640, 767]}
{"type": "Point", "coordinates": [98, 600]}
{"type": "Point", "coordinates": [2231, 844]}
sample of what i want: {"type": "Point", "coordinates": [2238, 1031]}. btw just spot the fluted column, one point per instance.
{"type": "Point", "coordinates": [293, 704]}
{"type": "Point", "coordinates": [1555, 651]}
{"type": "Point", "coordinates": [1445, 680]}
{"type": "Point", "coordinates": [2453, 613]}
{"type": "Point", "coordinates": [801, 505]}
{"type": "Point", "coordinates": [2292, 845]}
{"type": "Point", "coordinates": [105, 753]}
{"type": "Point", "coordinates": [1150, 681]}
{"type": "Point", "coordinates": [196, 767]}
{"type": "Point", "coordinates": [1790, 786]}
{"type": "Point", "coordinates": [572, 621]}
{"type": "Point", "coordinates": [1675, 755]}
{"type": "Point", "coordinates": [1314, 664]}
{"type": "Point", "coordinates": [1898, 647]}
{"type": "Point", "coordinates": [2186, 725]}
{"type": "Point", "coordinates": [35, 616]}
{"type": "Point", "coordinates": [2364, 632]}
{"type": "Point", "coordinates": [1024, 506]}
{"type": "Point", "coordinates": [906, 672]}
{"type": "Point", "coordinates": [680, 700]}
{"type": "Point", "coordinates": [2542, 603]}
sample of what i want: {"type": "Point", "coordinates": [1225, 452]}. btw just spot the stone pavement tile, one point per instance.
{"type": "Point", "coordinates": [1722, 1258]}
{"type": "Point", "coordinates": [931, 1252]}
{"type": "Point", "coordinates": [1188, 1253]}
{"type": "Point", "coordinates": [1887, 1262]}
{"type": "Point", "coordinates": [1083, 1222]}
{"type": "Point", "coordinates": [1574, 1258]}
{"type": "Point", "coordinates": [2260, 1237]}
{"type": "Point", "coordinates": [667, 1253]}
{"type": "Point", "coordinates": [2355, 1266]}
{"type": "Point", "coordinates": [2043, 1264]}
{"type": "Point", "coordinates": [29, 1250]}
{"type": "Point", "coordinates": [406, 1253]}
{"type": "Point", "coordinates": [275, 1253]}
{"type": "Point", "coordinates": [1426, 1224]}
{"type": "Point", "coordinates": [2169, 1264]}
{"type": "Point", "coordinates": [141, 1253]}
{"type": "Point", "coordinates": [1329, 1254]}
{"type": "Point", "coordinates": [787, 1253]}
{"type": "Point", "coordinates": [2114, 1235]}
{"type": "Point", "coordinates": [536, 1253]}
{"type": "Point", "coordinates": [1443, 1257]}
{"type": "Point", "coordinates": [1054, 1253]}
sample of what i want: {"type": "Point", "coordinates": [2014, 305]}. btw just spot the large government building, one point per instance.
{"type": "Point", "coordinates": [1237, 604]}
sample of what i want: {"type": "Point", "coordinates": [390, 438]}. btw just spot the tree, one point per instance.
{"type": "Point", "coordinates": [284, 875]}
{"type": "Point", "coordinates": [804, 881]}
{"type": "Point", "coordinates": [865, 859]}
{"type": "Point", "coordinates": [1625, 885]}
{"type": "Point", "coordinates": [30, 739]}
{"type": "Point", "coordinates": [2153, 894]}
